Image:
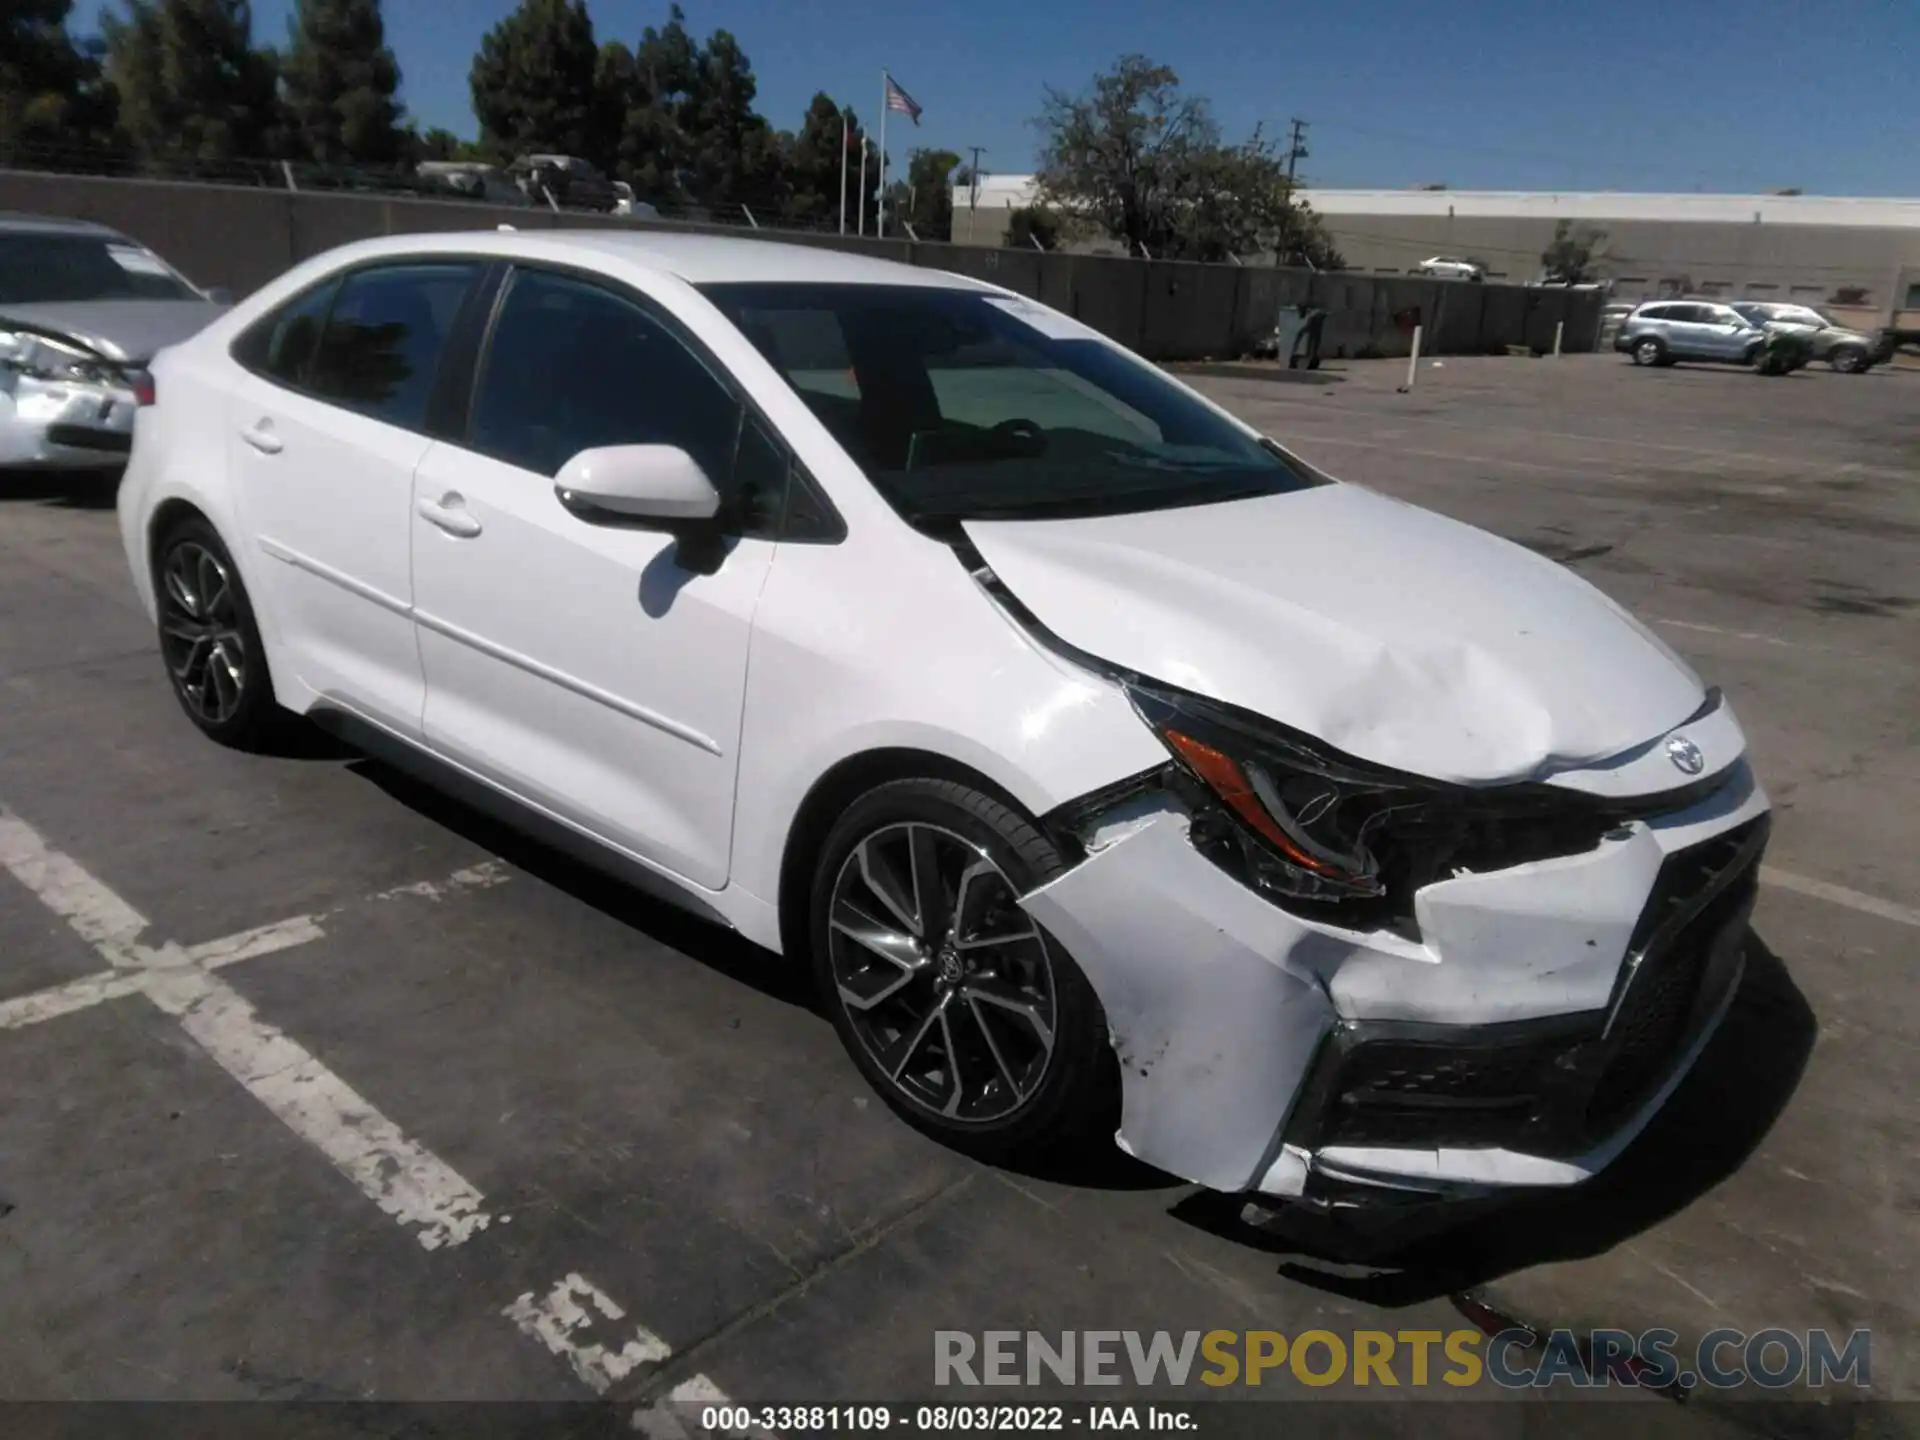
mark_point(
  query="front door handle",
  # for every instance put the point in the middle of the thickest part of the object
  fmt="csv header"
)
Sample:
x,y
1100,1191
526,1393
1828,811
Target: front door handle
x,y
262,438
450,513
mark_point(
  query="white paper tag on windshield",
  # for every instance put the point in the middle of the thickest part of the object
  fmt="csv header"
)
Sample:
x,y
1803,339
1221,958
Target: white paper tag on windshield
x,y
1050,323
137,262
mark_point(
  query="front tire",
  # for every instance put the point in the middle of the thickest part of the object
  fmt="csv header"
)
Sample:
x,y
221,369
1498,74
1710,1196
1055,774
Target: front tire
x,y
970,1021
210,640
1848,360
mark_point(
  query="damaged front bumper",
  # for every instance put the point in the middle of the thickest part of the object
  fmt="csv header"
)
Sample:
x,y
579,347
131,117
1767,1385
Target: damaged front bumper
x,y
1520,1033
64,423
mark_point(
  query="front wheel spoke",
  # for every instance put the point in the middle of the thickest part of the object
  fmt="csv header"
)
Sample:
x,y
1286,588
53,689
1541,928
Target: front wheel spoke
x,y
193,660
884,882
929,890
912,1047
212,584
180,591
956,1093
993,1048
876,936
1014,1003
226,680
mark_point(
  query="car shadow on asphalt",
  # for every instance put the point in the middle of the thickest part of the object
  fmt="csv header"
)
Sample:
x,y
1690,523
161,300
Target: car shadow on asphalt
x,y
67,489
504,831
1257,370
1715,1119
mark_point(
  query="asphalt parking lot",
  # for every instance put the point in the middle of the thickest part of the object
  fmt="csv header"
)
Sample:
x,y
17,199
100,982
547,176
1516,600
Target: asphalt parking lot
x,y
317,1086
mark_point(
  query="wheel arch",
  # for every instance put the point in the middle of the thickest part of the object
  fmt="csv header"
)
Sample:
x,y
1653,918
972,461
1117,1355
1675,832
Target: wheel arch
x,y
837,788
175,508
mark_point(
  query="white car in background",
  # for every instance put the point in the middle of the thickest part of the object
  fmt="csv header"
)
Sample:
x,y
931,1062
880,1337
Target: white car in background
x,y
1084,743
1446,267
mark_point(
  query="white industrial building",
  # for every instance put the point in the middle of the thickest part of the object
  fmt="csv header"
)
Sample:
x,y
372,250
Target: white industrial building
x,y
1857,255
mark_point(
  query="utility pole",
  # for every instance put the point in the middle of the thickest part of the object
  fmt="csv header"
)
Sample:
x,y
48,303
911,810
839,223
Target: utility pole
x,y
1296,148
973,189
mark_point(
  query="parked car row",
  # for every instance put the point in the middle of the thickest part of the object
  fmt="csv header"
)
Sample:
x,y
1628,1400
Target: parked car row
x,y
1661,332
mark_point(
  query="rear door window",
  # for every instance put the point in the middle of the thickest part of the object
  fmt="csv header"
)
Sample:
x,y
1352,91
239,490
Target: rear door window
x,y
384,334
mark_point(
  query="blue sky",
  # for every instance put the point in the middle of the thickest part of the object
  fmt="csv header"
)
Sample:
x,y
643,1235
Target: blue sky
x,y
1606,94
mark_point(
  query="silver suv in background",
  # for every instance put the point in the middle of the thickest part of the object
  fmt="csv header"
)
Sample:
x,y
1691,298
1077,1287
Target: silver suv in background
x,y
1663,331
1850,351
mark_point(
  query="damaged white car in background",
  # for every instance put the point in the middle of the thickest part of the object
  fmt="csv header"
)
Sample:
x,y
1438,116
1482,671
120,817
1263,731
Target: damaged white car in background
x,y
1082,740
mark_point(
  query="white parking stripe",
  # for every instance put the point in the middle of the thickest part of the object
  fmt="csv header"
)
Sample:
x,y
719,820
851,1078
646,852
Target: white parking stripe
x,y
419,1190
1840,895
567,1320
95,913
52,1003
261,940
407,1181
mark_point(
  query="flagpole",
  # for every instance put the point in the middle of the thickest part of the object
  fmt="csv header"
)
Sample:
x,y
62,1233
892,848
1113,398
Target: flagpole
x,y
843,169
863,183
880,199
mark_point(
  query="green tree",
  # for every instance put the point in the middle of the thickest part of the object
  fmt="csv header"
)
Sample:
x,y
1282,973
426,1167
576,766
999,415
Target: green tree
x,y
733,158
436,144
52,95
190,85
533,83
924,199
1033,224
1571,255
339,81
646,100
1142,161
813,165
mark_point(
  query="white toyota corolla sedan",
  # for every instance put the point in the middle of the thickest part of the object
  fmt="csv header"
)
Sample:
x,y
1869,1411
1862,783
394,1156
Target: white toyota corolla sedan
x,y
1085,743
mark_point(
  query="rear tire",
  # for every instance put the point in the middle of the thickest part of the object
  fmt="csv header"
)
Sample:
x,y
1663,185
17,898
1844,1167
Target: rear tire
x,y
210,641
1649,352
967,1018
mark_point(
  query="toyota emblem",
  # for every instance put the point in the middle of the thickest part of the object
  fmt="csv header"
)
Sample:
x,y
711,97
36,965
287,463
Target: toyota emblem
x,y
1685,755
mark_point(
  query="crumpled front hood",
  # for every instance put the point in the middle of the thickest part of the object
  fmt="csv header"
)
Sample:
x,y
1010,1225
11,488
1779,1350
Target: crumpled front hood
x,y
125,330
1386,631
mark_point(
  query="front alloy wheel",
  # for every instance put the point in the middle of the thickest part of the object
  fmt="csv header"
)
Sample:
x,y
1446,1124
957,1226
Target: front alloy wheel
x,y
968,1019
947,984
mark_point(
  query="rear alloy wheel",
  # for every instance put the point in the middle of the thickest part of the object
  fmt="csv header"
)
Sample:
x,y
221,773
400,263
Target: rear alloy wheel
x,y
1649,352
1848,360
209,640
967,1017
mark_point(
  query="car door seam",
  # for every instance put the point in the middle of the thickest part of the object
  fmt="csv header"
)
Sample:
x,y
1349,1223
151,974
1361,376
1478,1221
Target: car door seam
x,y
289,556
567,682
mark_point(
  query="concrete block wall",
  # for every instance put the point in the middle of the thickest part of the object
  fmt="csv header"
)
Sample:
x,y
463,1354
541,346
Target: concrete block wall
x,y
240,238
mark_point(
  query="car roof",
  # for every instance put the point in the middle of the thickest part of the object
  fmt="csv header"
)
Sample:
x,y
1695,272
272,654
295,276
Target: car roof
x,y
13,222
696,259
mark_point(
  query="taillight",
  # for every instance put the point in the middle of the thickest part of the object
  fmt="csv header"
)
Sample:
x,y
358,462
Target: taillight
x,y
141,383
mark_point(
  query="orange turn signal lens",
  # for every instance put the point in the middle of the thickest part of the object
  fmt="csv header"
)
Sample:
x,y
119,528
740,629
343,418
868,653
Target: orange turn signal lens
x,y
1221,771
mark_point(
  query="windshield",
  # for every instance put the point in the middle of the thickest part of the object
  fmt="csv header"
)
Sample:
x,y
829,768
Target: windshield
x,y
1761,314
53,269
963,405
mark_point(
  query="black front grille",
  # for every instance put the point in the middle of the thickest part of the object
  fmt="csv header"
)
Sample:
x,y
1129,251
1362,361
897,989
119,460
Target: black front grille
x,y
85,437
1547,1087
1698,892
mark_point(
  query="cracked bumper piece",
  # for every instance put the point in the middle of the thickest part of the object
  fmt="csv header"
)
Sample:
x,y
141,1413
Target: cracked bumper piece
x,y
1540,1017
64,423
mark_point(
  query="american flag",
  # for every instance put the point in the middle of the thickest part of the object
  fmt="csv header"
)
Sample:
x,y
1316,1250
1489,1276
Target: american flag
x,y
898,99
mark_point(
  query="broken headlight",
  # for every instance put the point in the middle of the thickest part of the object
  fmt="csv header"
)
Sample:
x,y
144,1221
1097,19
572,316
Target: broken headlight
x,y
41,357
1315,819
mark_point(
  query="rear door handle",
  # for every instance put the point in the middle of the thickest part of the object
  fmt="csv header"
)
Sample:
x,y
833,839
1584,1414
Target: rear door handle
x,y
262,438
451,515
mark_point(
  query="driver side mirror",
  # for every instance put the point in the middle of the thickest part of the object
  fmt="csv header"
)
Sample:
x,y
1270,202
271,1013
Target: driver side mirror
x,y
659,483
656,487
